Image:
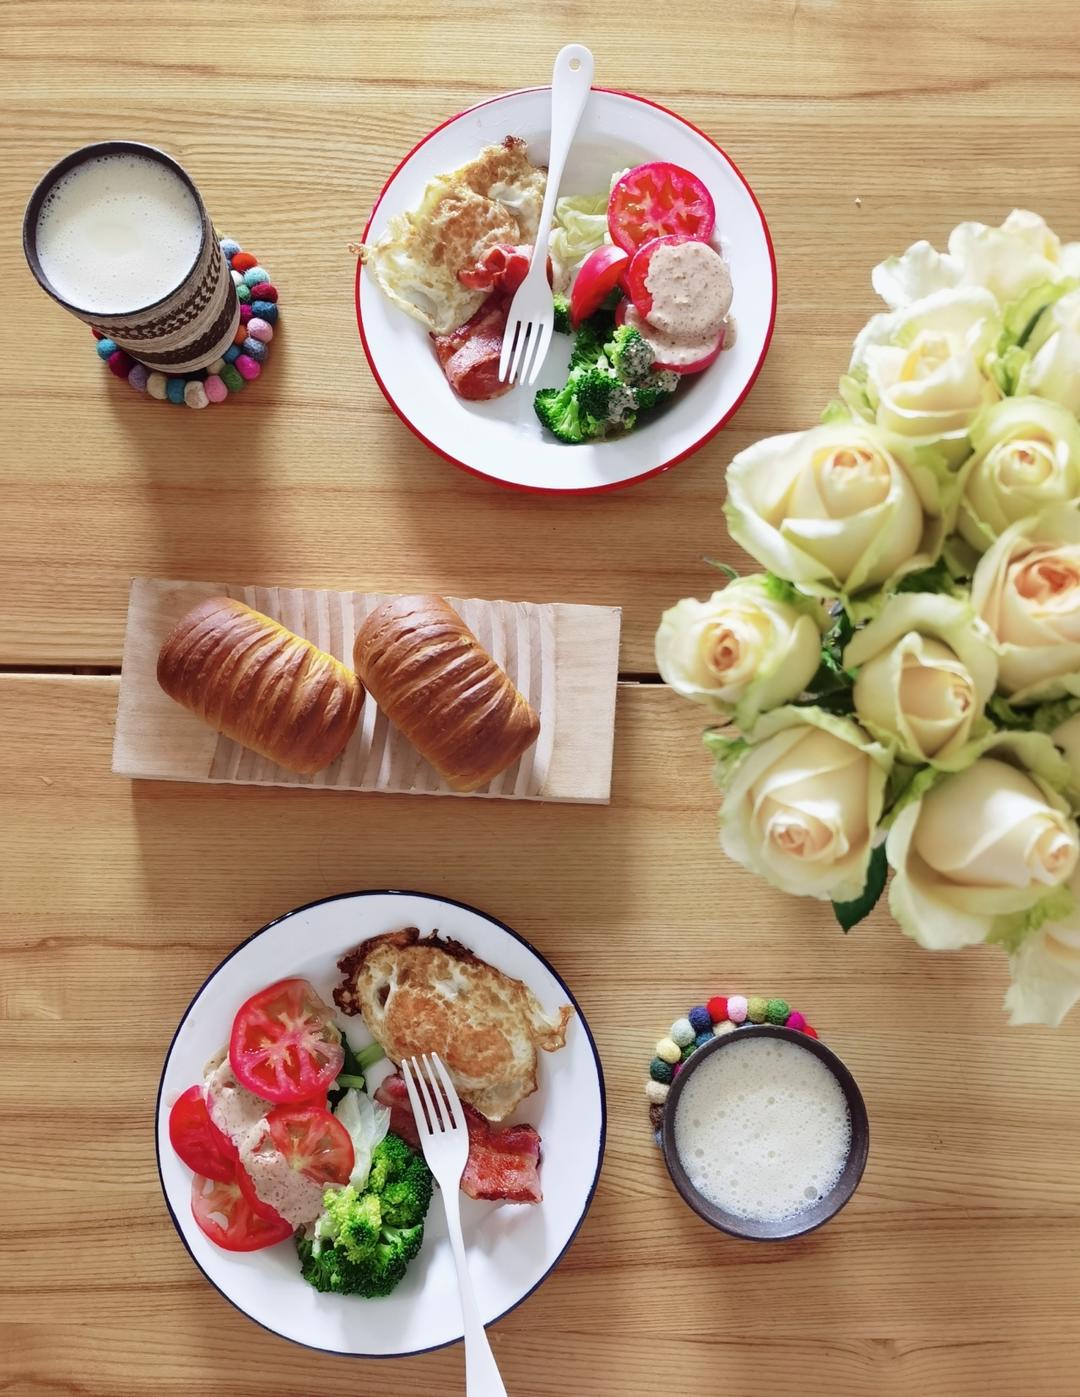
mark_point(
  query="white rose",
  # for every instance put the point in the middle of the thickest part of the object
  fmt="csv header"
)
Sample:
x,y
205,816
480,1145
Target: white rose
x,y
983,845
1045,969
803,801
921,371
834,509
1052,368
1007,261
1026,458
1026,588
742,651
926,669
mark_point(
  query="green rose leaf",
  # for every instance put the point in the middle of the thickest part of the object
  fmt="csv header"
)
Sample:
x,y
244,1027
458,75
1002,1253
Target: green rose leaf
x,y
849,914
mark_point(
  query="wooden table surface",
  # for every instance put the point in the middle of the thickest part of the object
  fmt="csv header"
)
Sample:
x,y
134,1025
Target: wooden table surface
x,y
862,126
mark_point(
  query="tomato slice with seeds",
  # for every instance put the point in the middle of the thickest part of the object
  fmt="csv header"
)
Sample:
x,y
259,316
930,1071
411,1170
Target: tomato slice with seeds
x,y
313,1141
197,1140
653,200
224,1214
285,1045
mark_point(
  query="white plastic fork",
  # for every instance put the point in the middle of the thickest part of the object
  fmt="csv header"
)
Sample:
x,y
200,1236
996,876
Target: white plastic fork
x,y
531,321
444,1136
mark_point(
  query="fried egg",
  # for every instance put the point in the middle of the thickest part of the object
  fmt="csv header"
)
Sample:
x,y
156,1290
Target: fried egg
x,y
426,994
494,198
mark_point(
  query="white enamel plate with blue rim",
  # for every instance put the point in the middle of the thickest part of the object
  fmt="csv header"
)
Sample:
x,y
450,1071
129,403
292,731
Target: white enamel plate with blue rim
x,y
503,440
512,1247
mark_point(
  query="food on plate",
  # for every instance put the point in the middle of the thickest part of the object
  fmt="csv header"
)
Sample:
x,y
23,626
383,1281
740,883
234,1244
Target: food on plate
x,y
258,683
494,198
611,381
470,354
366,1236
631,350
422,994
275,1162
436,682
502,268
504,1160
652,200
579,227
284,1044
597,277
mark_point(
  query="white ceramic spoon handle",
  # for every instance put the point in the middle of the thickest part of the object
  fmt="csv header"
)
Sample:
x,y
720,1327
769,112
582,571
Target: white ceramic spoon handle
x,y
571,81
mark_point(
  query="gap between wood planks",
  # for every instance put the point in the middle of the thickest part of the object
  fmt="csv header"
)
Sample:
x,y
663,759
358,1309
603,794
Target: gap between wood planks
x,y
97,671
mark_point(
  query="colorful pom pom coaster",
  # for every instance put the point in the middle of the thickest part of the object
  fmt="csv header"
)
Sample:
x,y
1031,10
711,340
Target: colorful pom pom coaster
x,y
704,1022
241,363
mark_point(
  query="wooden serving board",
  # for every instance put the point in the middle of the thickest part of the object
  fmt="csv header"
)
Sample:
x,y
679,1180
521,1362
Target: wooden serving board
x,y
564,658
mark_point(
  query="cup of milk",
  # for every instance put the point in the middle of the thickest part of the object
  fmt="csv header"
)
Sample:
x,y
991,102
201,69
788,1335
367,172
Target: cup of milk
x,y
118,234
765,1133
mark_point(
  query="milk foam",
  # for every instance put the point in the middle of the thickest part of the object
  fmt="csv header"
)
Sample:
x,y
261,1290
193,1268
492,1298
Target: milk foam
x,y
117,233
762,1129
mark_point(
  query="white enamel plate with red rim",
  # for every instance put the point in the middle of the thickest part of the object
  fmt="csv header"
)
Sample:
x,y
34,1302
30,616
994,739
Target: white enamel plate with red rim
x,y
512,1247
503,439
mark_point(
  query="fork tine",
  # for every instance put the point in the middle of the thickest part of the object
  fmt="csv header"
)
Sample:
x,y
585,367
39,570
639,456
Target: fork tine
x,y
419,1115
543,342
437,1127
510,334
442,1104
453,1103
524,336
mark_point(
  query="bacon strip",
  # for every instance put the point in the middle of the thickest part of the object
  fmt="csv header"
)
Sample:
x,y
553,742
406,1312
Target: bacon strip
x,y
502,268
504,1160
470,354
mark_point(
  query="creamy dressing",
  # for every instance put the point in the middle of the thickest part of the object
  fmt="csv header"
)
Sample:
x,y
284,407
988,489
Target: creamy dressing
x,y
670,349
690,286
763,1129
241,1115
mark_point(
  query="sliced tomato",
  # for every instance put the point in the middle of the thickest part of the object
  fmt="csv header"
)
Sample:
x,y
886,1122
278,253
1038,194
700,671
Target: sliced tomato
x,y
654,200
637,273
226,1217
285,1045
597,277
198,1141
313,1141
627,313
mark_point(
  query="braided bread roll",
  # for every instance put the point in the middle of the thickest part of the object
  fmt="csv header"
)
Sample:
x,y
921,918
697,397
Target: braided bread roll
x,y
435,681
255,681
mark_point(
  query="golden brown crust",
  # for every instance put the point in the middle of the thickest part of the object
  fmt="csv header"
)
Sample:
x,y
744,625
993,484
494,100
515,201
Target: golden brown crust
x,y
421,994
436,682
255,681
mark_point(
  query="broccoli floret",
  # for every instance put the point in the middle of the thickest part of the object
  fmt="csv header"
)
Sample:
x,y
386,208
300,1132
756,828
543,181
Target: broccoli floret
x,y
351,1222
403,1182
363,1242
558,410
331,1270
562,314
604,396
655,389
629,354
588,345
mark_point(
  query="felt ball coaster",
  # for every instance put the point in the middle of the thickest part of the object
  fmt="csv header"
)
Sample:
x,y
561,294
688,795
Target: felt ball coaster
x,y
241,363
701,1024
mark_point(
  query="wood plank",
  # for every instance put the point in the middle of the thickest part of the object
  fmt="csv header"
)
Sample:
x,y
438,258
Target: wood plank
x,y
564,659
118,898
861,127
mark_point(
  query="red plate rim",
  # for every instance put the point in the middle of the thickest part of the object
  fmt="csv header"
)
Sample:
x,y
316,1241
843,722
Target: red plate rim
x,y
614,485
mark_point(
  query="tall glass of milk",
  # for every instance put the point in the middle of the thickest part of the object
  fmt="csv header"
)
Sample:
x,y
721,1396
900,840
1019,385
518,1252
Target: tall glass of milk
x,y
118,234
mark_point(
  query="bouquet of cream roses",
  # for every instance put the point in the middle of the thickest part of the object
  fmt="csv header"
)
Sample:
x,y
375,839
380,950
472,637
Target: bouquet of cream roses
x,y
902,683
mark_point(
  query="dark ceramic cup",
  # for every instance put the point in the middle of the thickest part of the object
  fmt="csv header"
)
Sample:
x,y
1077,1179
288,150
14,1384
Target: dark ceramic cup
x,y
826,1206
190,326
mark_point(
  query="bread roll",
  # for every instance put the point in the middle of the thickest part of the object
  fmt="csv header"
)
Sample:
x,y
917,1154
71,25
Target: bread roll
x,y
255,681
435,681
